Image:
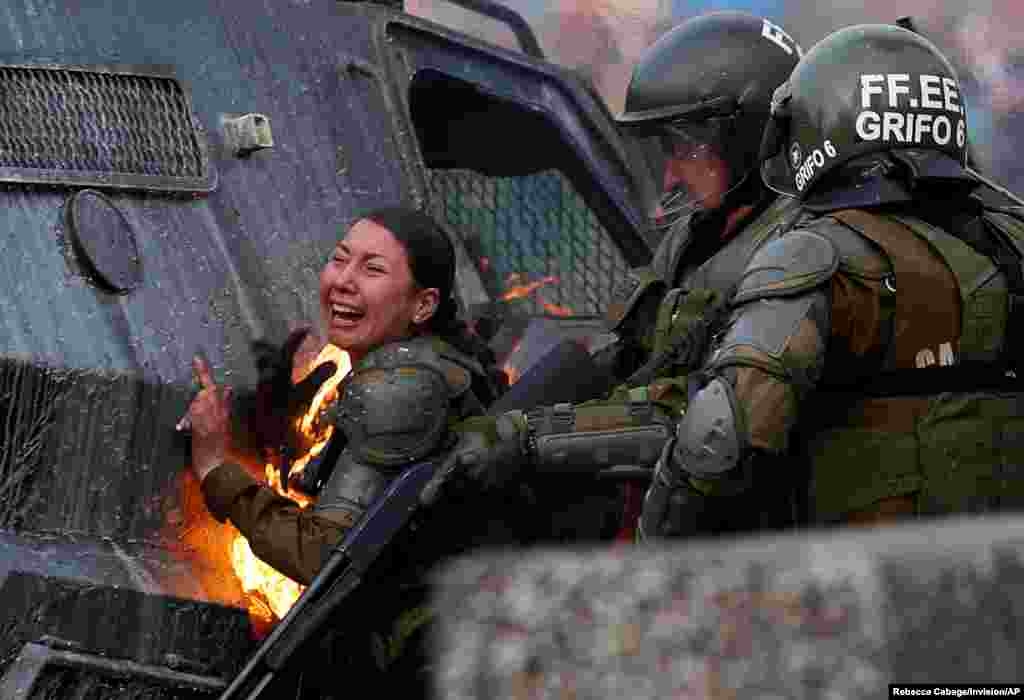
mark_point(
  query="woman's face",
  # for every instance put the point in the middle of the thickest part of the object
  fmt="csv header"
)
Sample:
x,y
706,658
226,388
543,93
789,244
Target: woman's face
x,y
368,296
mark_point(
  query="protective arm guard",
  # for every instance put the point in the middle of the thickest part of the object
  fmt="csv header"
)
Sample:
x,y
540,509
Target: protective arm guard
x,y
567,439
773,349
585,439
770,354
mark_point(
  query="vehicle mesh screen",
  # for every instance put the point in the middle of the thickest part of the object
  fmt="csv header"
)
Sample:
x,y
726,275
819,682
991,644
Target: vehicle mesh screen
x,y
75,125
533,238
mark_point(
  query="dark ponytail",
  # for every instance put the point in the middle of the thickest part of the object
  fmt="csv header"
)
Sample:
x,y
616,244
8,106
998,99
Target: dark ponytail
x,y
432,263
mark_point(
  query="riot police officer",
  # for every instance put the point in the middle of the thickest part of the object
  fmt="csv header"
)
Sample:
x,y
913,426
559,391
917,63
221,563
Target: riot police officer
x,y
697,104
870,351
695,108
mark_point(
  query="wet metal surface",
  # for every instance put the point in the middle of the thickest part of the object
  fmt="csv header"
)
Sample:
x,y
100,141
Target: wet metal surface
x,y
104,240
41,673
121,623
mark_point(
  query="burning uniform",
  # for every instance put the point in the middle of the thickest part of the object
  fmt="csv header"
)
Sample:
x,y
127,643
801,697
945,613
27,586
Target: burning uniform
x,y
871,351
398,406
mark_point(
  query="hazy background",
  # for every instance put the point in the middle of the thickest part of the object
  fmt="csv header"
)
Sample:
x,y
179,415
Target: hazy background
x,y
604,38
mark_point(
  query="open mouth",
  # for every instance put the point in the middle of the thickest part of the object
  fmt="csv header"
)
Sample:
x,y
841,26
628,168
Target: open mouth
x,y
345,315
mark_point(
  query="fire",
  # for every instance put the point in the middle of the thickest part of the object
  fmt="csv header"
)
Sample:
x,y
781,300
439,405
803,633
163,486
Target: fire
x,y
270,594
518,291
517,288
509,368
276,593
556,310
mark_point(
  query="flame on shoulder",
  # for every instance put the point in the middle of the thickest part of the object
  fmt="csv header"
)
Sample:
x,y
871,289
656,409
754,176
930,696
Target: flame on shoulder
x,y
269,593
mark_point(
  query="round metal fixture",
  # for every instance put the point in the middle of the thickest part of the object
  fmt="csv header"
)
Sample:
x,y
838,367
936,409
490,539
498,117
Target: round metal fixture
x,y
104,241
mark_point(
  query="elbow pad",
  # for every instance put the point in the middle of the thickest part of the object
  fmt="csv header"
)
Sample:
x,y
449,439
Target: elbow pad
x,y
711,438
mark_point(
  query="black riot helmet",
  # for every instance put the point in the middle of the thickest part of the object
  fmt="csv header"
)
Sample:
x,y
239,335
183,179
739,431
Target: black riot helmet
x,y
864,90
708,84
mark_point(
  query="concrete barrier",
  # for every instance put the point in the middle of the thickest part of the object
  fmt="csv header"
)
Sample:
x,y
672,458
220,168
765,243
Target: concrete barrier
x,y
827,614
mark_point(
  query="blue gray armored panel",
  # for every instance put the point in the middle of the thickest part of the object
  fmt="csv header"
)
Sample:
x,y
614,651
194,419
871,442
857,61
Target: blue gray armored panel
x,y
225,147
831,614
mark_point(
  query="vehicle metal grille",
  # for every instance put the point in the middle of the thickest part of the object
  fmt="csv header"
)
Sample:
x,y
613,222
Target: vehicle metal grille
x,y
528,230
78,125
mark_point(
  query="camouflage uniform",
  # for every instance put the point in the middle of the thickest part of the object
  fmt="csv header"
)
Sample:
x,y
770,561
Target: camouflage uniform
x,y
701,94
869,355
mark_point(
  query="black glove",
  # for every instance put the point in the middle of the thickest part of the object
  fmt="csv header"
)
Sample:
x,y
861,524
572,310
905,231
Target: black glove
x,y
492,452
673,507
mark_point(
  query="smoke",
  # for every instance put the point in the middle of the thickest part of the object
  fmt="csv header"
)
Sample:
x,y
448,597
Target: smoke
x,y
603,39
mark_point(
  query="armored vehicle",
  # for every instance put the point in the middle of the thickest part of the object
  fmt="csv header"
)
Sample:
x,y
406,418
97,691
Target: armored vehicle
x,y
172,176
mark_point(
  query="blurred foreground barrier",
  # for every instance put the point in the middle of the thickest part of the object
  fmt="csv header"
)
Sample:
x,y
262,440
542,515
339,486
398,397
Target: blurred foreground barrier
x,y
832,614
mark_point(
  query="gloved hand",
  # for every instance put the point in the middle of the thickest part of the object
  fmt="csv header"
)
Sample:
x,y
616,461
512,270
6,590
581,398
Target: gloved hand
x,y
278,402
489,454
672,506
506,456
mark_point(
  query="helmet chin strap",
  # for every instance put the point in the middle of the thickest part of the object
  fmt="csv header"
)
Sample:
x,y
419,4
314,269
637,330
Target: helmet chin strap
x,y
681,202
996,186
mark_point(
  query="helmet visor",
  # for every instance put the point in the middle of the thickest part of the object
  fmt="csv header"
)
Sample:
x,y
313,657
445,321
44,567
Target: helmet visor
x,y
685,160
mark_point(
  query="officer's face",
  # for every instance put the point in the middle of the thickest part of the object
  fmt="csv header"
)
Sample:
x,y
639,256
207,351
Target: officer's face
x,y
696,168
368,296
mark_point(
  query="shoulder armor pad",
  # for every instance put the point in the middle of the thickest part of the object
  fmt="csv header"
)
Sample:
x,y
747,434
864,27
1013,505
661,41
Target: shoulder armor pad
x,y
429,351
394,407
628,294
458,368
791,264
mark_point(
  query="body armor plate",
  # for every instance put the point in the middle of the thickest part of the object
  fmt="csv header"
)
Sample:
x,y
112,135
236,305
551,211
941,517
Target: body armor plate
x,y
394,408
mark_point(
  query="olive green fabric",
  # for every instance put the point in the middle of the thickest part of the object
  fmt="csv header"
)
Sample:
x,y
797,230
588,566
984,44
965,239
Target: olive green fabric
x,y
928,302
389,646
959,453
681,313
952,453
983,314
669,394
629,296
865,459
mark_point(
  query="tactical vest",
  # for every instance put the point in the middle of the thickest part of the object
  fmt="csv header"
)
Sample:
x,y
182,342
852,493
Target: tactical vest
x,y
941,430
702,299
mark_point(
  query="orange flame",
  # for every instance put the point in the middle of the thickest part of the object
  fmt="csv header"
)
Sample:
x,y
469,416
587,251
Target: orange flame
x,y
518,291
556,310
509,368
269,593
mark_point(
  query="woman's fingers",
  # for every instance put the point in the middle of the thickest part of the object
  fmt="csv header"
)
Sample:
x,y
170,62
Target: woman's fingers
x,y
208,392
202,372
